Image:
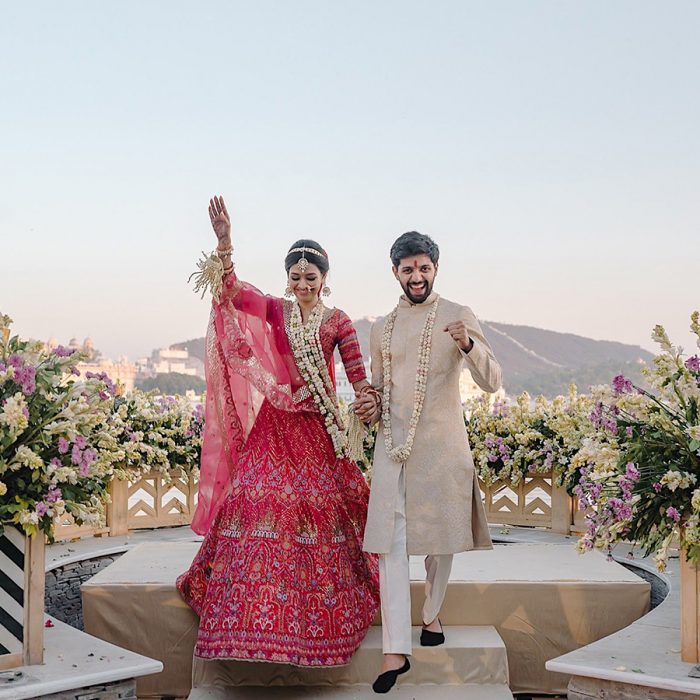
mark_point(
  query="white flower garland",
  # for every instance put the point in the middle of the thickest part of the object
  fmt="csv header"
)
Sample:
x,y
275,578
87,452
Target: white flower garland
x,y
306,345
402,452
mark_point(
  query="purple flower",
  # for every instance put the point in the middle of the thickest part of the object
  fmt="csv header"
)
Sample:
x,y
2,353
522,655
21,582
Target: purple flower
x,y
53,495
631,471
76,455
621,385
25,412
56,462
672,513
3,367
630,431
103,377
75,371
610,424
89,456
62,351
41,508
693,363
16,360
657,487
26,378
63,445
596,414
81,442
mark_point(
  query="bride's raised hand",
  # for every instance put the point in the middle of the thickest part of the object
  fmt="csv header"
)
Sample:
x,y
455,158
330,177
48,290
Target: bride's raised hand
x,y
220,222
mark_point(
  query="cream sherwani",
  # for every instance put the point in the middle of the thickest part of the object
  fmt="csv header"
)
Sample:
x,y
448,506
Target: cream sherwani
x,y
431,504
444,512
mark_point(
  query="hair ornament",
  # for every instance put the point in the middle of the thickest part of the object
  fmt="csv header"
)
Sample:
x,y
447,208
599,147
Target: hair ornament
x,y
303,262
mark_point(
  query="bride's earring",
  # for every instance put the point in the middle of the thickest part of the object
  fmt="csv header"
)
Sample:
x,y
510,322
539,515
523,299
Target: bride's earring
x,y
288,292
326,291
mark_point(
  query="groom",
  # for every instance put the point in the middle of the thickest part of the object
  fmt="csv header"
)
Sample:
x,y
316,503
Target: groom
x,y
425,496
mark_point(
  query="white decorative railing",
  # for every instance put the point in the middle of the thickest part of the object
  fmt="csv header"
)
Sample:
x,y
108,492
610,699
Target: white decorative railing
x,y
156,500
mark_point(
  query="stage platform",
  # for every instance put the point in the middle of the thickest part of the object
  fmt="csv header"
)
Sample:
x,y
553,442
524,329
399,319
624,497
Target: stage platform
x,y
543,599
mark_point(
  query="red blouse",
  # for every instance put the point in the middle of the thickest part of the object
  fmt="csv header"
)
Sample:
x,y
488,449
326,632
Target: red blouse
x,y
336,328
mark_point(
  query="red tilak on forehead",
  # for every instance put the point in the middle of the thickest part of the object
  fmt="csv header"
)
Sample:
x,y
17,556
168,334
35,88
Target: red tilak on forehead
x,y
415,264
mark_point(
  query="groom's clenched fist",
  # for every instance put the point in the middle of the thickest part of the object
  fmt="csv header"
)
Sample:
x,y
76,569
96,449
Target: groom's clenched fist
x,y
460,334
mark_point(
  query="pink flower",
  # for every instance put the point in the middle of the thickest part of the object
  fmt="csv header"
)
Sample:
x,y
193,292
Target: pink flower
x,y
81,442
631,471
657,487
62,351
672,513
41,508
63,445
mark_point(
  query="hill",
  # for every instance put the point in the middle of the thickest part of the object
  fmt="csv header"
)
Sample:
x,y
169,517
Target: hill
x,y
533,359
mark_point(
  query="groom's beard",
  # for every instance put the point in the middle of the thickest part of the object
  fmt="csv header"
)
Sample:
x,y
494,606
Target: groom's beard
x,y
417,295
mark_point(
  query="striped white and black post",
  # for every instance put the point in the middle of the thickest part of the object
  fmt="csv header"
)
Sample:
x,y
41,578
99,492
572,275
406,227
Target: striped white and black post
x,y
21,599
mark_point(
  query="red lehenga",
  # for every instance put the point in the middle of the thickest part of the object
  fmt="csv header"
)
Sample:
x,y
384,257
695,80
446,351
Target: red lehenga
x,y
281,575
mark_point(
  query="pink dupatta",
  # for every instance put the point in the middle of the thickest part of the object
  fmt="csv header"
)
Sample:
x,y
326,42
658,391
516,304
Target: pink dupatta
x,y
248,359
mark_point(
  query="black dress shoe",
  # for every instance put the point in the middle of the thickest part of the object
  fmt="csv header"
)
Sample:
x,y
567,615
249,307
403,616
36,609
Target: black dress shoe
x,y
385,681
432,639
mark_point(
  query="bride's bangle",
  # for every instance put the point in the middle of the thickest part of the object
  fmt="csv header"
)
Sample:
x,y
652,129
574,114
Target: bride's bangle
x,y
226,251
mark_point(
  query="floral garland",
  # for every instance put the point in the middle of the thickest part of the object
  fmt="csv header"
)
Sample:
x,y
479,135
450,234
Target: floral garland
x,y
402,452
306,345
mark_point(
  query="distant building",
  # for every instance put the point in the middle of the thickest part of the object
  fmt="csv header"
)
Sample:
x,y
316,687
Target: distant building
x,y
342,385
121,370
167,360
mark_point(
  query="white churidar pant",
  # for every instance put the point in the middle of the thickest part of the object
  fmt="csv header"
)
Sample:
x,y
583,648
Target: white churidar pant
x,y
395,583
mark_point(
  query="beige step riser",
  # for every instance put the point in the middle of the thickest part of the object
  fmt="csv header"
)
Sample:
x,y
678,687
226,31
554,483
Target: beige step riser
x,y
470,656
398,692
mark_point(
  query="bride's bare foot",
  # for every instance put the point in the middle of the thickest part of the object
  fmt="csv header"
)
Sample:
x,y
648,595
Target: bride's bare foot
x,y
392,662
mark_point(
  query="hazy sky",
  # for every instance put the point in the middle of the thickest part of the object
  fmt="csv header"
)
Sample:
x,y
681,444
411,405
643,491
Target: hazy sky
x,y
552,149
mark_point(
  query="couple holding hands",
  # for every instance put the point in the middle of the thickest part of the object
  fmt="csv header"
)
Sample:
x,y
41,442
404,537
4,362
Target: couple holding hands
x,y
298,553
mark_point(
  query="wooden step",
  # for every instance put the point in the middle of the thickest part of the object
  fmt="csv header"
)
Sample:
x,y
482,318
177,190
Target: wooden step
x,y
358,692
470,655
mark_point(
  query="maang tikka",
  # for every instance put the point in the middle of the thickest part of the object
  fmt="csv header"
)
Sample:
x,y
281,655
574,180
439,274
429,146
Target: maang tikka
x,y
303,262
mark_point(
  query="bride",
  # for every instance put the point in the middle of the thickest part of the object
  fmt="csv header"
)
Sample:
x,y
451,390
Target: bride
x,y
280,575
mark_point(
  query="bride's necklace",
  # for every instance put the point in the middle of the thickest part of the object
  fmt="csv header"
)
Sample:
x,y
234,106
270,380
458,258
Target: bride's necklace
x,y
305,342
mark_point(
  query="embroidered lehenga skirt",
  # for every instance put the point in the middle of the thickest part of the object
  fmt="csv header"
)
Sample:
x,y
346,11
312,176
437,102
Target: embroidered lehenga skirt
x,y
281,575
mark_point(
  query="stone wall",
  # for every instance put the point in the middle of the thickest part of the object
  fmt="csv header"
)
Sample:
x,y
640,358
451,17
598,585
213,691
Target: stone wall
x,y
62,598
